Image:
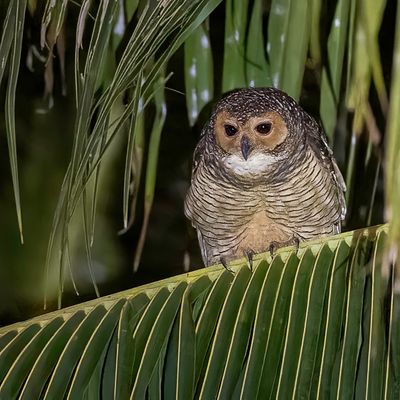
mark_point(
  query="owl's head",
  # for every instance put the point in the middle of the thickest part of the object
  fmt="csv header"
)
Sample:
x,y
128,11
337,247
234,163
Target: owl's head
x,y
256,128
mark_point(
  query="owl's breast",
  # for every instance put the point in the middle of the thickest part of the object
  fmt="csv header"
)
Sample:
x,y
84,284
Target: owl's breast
x,y
261,230
213,205
232,220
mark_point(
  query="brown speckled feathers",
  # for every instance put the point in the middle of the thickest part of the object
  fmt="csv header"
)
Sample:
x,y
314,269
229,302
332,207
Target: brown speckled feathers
x,y
262,173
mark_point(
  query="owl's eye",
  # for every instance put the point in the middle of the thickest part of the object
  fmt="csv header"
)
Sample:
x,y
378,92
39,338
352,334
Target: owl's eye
x,y
230,130
264,128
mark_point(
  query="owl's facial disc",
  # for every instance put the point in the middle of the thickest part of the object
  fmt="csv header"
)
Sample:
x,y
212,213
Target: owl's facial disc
x,y
250,144
259,134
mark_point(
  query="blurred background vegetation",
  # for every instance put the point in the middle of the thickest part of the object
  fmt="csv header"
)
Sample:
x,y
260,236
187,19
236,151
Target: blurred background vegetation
x,y
334,57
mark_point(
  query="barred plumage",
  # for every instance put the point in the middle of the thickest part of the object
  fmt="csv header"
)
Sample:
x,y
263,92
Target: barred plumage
x,y
263,173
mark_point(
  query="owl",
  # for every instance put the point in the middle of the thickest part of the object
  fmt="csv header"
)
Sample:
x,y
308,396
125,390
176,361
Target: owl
x,y
263,177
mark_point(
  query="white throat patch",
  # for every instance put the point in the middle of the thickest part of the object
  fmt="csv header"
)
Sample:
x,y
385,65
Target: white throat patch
x,y
256,163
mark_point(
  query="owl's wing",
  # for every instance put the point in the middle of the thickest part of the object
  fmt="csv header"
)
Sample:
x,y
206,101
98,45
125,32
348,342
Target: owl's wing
x,y
319,143
203,248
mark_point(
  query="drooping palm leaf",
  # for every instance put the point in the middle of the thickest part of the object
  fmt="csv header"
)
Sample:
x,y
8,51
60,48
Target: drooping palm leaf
x,y
332,72
392,171
10,54
322,322
234,72
288,40
151,167
161,28
199,79
257,68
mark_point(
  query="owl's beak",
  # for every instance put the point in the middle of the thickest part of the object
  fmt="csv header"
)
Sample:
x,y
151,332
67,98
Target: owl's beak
x,y
245,146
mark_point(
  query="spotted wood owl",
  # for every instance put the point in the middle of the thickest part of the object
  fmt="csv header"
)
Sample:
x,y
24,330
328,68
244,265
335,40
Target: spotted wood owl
x,y
263,175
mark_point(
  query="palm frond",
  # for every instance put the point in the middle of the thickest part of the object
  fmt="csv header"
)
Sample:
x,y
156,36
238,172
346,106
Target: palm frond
x,y
10,52
161,28
332,73
151,167
392,172
322,321
199,79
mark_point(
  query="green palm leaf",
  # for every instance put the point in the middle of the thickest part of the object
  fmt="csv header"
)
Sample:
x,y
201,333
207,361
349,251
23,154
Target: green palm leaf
x,y
10,50
312,323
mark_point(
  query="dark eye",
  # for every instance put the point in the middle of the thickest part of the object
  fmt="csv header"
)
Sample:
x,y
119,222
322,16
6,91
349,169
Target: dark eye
x,y
264,128
230,130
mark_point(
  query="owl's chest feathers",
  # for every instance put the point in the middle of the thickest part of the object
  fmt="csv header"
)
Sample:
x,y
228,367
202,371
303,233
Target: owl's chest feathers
x,y
260,231
252,217
260,213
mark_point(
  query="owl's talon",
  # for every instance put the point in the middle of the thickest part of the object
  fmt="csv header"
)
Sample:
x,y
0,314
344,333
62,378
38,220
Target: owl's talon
x,y
296,243
225,264
249,257
273,246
